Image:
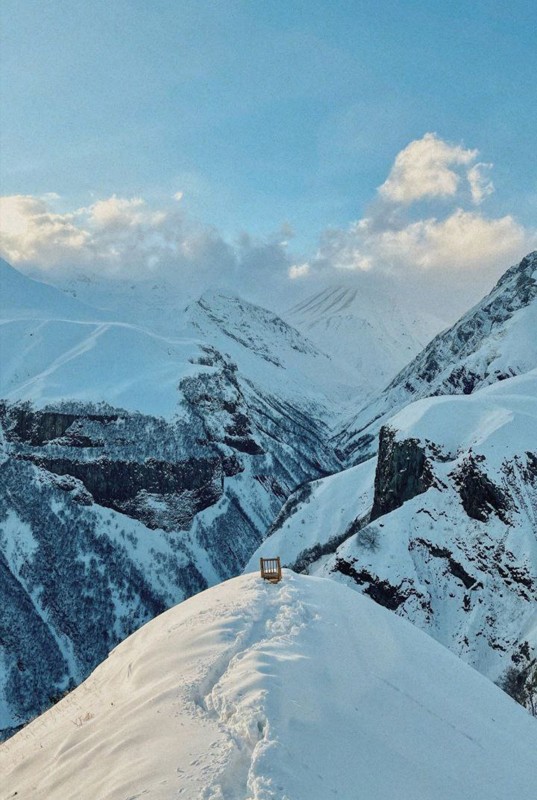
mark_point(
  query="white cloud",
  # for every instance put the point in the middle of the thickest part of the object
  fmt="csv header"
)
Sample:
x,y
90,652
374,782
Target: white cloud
x,y
464,240
426,168
455,251
31,231
446,255
480,184
122,237
460,255
298,271
115,235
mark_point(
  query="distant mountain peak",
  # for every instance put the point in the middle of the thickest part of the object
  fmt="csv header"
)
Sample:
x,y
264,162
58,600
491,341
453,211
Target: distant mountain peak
x,y
364,329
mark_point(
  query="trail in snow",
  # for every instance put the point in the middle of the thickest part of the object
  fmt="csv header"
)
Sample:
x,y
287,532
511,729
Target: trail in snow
x,y
300,691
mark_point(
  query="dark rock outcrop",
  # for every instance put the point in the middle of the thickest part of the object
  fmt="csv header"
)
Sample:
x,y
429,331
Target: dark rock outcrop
x,y
479,495
403,471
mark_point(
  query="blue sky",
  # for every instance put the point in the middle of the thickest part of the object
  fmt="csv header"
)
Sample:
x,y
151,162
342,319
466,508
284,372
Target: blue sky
x,y
262,113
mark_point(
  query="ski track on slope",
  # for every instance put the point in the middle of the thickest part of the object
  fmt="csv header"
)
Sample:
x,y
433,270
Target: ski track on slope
x,y
79,349
246,728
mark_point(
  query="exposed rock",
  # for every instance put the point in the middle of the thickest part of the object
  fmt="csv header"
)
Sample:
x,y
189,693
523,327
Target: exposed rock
x,y
479,495
403,471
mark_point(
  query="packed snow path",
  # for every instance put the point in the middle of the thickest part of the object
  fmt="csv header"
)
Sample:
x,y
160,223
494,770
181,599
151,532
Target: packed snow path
x,y
302,690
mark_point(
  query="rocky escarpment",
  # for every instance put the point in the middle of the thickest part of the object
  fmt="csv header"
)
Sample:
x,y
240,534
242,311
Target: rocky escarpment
x,y
451,539
111,456
403,471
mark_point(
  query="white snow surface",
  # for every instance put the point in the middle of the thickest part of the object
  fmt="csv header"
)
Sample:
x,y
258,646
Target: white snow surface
x,y
27,298
55,348
364,329
298,691
50,361
498,421
319,515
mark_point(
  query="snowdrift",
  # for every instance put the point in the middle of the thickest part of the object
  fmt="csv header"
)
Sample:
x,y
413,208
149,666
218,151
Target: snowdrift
x,y
302,690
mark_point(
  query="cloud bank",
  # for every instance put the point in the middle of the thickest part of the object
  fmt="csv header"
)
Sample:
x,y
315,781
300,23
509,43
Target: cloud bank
x,y
425,228
427,167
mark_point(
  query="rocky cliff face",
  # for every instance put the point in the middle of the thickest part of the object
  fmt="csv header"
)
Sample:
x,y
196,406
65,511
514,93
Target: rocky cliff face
x,y
452,541
403,471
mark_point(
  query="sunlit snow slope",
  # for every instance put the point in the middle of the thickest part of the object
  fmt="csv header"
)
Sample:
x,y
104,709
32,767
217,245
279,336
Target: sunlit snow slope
x,y
54,348
303,690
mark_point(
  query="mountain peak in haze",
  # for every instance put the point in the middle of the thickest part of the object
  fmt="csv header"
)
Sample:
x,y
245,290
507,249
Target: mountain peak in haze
x,y
363,327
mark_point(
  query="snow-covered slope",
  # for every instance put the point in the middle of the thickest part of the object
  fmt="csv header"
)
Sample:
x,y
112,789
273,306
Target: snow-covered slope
x,y
55,348
26,298
496,339
274,355
365,330
318,517
451,542
303,690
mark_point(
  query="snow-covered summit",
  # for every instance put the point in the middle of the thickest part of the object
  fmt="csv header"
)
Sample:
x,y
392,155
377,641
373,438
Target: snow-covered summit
x,y
302,690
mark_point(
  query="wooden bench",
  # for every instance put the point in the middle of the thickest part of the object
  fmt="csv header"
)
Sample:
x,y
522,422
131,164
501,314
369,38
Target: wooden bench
x,y
271,569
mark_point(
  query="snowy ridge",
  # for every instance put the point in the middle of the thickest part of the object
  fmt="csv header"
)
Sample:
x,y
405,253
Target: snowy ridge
x,y
300,690
26,298
493,341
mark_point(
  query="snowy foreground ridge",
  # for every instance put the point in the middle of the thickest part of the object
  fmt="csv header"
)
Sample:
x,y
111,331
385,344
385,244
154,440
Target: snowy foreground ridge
x,y
303,690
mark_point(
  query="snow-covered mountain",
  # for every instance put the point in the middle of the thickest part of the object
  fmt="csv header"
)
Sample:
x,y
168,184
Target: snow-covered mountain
x,y
137,469
302,690
365,329
51,344
441,528
495,340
